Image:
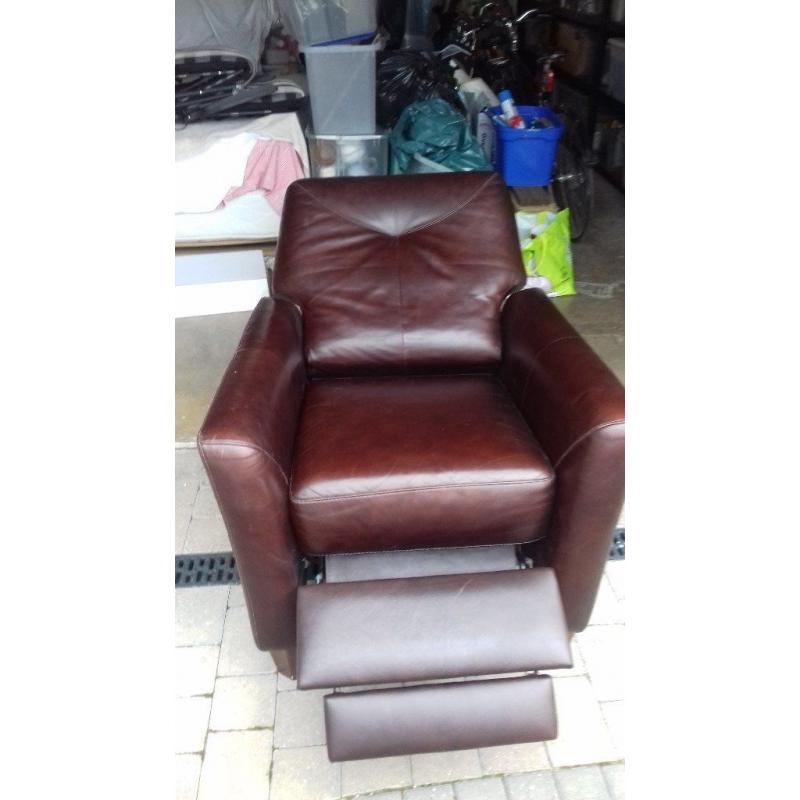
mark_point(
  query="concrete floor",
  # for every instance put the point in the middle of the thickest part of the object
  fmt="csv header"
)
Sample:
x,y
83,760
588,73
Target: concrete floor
x,y
599,267
203,348
204,345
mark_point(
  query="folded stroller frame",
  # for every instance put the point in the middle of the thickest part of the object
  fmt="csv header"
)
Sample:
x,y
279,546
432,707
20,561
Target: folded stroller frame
x,y
222,86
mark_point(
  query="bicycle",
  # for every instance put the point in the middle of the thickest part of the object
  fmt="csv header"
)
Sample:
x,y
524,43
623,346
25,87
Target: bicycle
x,y
572,182
492,39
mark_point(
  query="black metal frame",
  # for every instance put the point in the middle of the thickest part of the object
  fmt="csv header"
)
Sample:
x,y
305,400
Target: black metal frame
x,y
204,80
219,569
223,87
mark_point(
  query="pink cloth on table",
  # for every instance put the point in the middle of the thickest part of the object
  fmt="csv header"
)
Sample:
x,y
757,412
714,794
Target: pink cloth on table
x,y
271,167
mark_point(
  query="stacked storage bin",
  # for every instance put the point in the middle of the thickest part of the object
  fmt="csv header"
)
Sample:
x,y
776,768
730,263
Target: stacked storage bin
x,y
341,87
329,21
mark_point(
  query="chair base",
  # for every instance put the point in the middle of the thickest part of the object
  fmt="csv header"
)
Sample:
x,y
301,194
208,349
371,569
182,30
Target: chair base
x,y
285,661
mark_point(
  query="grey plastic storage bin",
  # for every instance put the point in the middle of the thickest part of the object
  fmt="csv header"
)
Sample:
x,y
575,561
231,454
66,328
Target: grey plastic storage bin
x,y
332,156
328,21
341,85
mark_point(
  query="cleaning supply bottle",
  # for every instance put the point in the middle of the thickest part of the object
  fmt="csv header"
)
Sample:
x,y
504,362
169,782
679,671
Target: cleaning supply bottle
x,y
459,73
477,87
480,94
510,112
476,96
486,136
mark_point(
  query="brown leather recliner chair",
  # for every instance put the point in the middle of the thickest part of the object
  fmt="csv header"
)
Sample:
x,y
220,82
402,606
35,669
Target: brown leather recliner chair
x,y
417,464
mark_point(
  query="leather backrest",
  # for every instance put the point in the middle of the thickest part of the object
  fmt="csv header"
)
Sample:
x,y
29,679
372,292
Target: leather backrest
x,y
398,275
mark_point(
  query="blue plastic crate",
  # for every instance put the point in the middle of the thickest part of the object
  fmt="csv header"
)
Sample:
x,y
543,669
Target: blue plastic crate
x,y
525,157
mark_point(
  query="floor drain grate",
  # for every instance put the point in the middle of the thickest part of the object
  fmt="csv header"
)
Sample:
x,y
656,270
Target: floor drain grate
x,y
205,569
215,569
617,551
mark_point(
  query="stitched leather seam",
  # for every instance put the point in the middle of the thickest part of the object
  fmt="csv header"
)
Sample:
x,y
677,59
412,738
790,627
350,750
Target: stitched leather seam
x,y
528,481
453,211
428,224
569,338
213,484
211,443
586,436
401,310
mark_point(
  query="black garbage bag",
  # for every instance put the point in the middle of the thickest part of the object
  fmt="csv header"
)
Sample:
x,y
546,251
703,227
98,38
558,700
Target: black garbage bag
x,y
408,76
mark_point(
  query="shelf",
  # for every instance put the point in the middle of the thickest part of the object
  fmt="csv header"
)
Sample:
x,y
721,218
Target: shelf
x,y
580,84
593,21
612,102
594,101
613,176
584,86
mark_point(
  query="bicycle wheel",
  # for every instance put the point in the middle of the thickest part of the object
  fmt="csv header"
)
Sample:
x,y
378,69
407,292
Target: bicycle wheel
x,y
573,186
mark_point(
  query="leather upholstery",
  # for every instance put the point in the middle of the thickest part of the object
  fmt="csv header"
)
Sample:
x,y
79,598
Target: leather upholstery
x,y
576,409
402,463
432,418
415,629
246,443
404,275
449,716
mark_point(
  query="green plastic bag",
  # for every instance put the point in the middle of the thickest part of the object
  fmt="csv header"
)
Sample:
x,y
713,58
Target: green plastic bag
x,y
548,257
438,133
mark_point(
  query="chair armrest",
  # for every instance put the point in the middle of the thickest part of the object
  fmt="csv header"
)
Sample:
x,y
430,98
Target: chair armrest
x,y
576,409
246,444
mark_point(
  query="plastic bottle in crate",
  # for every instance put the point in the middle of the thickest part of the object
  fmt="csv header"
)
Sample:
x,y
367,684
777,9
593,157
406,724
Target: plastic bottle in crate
x,y
512,117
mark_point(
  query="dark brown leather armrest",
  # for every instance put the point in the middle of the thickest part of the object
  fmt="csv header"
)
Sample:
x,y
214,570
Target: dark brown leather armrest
x,y
246,443
576,409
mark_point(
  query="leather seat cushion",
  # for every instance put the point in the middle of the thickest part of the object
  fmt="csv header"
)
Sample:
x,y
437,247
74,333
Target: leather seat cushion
x,y
402,463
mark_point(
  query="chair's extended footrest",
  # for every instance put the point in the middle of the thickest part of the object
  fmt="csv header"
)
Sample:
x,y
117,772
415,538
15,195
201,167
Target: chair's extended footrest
x,y
439,717
415,629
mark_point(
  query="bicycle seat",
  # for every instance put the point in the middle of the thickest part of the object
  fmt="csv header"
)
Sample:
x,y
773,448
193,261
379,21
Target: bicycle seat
x,y
557,56
531,12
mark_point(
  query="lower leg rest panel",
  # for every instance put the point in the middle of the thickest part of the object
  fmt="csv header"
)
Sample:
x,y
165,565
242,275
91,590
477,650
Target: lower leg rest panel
x,y
439,717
